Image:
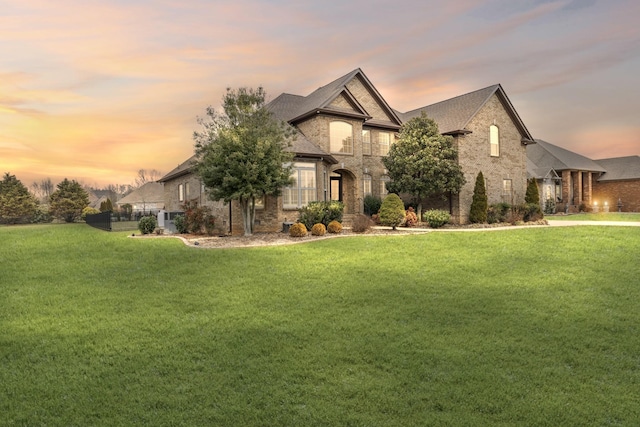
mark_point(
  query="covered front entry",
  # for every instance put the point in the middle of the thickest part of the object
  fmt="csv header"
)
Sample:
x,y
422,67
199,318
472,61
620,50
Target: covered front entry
x,y
342,188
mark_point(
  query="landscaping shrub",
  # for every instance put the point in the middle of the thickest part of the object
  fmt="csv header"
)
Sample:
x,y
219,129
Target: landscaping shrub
x,y
549,206
89,211
198,219
436,218
500,212
532,195
334,227
410,218
392,211
181,224
318,230
147,224
532,212
298,230
372,204
361,223
321,212
478,212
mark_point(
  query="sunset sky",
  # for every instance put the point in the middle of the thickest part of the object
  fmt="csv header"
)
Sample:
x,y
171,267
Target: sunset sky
x,y
95,90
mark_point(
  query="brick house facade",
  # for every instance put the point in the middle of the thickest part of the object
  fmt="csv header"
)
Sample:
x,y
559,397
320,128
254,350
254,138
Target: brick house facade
x,y
346,127
574,182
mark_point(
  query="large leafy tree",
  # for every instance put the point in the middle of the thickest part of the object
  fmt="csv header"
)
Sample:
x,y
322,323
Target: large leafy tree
x,y
68,201
240,153
423,162
17,204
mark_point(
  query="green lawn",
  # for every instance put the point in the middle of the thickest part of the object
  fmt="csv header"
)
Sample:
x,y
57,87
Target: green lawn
x,y
601,216
536,327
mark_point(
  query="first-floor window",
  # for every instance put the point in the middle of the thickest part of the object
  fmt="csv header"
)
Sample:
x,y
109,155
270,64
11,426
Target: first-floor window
x,y
383,186
366,185
303,190
181,192
506,187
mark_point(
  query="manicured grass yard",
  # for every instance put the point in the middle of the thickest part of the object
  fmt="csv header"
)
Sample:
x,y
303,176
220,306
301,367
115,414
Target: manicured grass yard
x,y
600,216
536,326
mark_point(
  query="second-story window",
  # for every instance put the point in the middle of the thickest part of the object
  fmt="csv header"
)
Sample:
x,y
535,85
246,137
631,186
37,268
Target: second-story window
x,y
366,142
341,137
494,140
384,141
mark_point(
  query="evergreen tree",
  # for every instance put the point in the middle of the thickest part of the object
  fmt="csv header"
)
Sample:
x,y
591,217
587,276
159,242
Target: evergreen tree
x,y
392,211
479,205
68,201
17,204
532,195
241,153
423,162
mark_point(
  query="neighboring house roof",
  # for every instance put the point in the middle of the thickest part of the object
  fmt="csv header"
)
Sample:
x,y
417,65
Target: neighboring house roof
x,y
619,168
293,108
151,192
453,115
546,155
182,169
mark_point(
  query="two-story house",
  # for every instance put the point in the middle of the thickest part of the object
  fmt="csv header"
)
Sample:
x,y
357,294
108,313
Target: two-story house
x,y
346,127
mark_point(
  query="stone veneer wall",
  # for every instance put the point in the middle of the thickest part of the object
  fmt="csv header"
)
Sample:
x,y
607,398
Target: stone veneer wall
x,y
474,154
172,203
628,191
353,166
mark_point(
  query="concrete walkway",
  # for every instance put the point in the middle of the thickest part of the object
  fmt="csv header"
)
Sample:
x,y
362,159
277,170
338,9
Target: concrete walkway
x,y
557,223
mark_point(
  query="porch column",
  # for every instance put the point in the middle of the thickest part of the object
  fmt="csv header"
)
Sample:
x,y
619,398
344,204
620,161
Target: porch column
x,y
566,187
577,187
587,187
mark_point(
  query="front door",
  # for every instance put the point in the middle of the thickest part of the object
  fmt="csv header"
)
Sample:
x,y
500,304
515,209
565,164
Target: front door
x,y
336,187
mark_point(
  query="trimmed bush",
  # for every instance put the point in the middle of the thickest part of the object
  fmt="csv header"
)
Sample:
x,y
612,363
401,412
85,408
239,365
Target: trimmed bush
x,y
392,211
361,223
89,211
298,230
181,224
334,227
436,218
321,212
147,224
500,212
478,211
549,207
532,212
372,204
318,230
532,195
410,219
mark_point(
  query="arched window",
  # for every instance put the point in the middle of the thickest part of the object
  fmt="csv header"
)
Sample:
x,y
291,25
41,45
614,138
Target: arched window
x,y
494,140
341,137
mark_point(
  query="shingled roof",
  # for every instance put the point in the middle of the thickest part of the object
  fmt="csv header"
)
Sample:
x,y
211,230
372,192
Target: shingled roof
x,y
454,114
182,169
545,155
620,168
293,108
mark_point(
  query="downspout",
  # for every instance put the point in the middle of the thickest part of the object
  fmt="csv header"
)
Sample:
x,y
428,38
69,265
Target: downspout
x,y
230,220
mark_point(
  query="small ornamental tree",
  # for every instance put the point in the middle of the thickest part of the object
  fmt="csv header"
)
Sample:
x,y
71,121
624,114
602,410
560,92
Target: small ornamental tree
x,y
532,195
422,162
17,204
242,154
68,201
392,211
479,205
